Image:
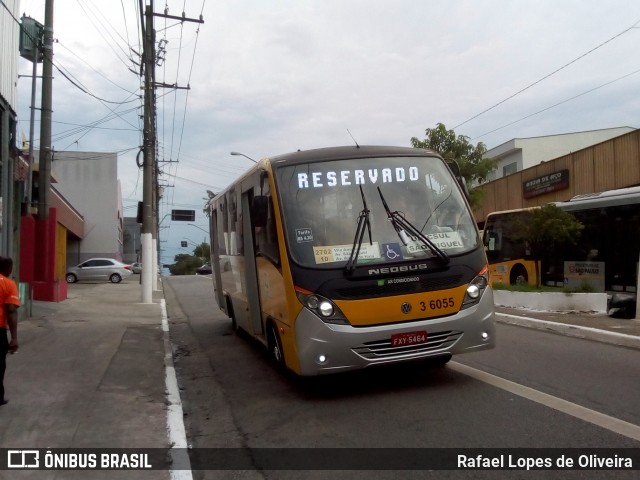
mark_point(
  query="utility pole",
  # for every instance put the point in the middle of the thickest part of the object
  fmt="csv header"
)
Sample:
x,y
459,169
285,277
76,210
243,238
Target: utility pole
x,y
45,238
148,223
44,181
31,33
150,197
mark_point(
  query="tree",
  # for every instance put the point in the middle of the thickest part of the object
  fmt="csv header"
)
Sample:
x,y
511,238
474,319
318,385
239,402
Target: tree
x,y
203,251
549,232
186,264
473,166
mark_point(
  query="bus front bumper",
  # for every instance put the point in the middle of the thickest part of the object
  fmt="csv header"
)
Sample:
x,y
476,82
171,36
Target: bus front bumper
x,y
327,348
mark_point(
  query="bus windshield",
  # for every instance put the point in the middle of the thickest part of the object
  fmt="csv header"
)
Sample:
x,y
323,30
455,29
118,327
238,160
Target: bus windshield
x,y
325,204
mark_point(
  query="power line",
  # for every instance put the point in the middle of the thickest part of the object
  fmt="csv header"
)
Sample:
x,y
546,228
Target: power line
x,y
96,127
78,84
175,167
193,58
100,32
84,90
9,12
92,68
186,101
95,156
208,185
547,76
126,26
87,128
557,104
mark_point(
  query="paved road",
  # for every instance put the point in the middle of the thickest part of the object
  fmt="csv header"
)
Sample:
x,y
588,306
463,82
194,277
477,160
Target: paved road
x,y
592,374
94,371
509,397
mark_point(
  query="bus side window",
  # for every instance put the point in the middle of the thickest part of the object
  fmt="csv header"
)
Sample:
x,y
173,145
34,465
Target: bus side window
x,y
266,236
236,243
221,229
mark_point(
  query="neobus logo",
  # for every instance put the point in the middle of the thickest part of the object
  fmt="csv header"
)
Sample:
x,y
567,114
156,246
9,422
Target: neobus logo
x,y
401,269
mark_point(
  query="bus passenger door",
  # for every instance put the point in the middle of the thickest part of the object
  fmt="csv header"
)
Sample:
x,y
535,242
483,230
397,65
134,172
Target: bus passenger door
x,y
215,260
251,272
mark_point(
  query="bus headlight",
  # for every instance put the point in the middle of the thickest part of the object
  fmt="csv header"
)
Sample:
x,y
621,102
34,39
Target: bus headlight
x,y
473,291
322,307
476,288
313,302
325,308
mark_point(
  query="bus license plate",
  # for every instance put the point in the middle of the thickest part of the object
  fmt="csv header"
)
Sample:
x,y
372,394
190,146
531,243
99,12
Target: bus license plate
x,y
409,338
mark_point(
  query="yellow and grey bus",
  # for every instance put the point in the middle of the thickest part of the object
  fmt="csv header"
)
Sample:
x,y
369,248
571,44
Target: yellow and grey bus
x,y
605,255
348,257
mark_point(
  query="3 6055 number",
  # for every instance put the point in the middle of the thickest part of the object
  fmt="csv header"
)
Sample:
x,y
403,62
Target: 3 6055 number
x,y
438,304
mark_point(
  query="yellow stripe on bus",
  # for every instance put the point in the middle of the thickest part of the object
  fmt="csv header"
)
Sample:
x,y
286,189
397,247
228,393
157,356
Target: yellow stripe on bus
x,y
400,308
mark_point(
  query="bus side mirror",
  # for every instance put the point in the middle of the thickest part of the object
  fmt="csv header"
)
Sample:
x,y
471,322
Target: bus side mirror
x,y
463,185
455,169
260,210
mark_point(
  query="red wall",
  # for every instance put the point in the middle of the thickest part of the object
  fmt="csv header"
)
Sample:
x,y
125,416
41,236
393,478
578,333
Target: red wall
x,y
38,258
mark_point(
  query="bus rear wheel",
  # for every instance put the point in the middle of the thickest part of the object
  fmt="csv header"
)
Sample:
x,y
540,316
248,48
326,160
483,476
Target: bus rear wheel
x,y
275,346
518,275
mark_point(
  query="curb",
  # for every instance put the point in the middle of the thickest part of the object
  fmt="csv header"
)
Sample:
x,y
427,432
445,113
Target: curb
x,y
586,333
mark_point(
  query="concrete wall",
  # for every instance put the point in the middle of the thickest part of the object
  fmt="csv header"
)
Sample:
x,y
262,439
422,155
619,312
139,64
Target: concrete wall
x,y
552,302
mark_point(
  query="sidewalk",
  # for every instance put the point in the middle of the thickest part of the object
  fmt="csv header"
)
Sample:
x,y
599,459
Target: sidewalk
x,y
89,373
591,326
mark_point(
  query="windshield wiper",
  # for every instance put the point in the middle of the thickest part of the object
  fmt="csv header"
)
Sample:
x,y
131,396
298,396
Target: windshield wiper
x,y
404,228
363,224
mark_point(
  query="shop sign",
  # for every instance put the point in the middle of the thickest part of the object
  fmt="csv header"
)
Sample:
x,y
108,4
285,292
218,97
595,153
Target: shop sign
x,y
545,184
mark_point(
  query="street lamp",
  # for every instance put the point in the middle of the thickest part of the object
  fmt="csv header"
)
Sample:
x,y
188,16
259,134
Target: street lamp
x,y
199,228
167,215
243,155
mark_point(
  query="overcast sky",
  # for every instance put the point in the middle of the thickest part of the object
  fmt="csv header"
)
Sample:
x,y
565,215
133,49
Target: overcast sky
x,y
272,76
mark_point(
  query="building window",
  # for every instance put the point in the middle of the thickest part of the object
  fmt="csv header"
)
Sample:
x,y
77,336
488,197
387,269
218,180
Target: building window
x,y
509,169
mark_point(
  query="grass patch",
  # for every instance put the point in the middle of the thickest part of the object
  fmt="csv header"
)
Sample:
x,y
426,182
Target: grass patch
x,y
584,287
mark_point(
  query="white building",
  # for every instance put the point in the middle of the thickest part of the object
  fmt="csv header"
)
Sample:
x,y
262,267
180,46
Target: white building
x,y
520,153
89,182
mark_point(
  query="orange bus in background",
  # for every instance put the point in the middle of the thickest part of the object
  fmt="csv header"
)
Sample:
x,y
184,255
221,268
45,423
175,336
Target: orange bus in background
x,y
606,254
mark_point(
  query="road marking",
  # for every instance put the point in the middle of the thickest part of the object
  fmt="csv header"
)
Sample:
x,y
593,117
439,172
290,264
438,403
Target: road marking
x,y
175,419
600,419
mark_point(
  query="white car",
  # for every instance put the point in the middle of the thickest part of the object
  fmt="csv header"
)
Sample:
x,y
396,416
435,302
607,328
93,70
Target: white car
x,y
105,269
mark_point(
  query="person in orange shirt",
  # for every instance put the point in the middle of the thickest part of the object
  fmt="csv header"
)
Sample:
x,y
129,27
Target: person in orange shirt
x,y
9,304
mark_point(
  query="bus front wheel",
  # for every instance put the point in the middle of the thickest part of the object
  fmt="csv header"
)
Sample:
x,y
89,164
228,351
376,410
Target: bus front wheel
x,y
440,361
234,322
275,346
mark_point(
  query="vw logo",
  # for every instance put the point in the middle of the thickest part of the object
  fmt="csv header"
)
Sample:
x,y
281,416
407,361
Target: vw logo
x,y
405,307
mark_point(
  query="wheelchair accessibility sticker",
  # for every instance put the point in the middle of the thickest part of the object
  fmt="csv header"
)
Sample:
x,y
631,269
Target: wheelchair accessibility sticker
x,y
392,251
